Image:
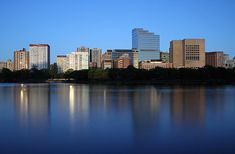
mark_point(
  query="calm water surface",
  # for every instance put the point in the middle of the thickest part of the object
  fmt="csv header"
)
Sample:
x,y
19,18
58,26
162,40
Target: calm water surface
x,y
73,118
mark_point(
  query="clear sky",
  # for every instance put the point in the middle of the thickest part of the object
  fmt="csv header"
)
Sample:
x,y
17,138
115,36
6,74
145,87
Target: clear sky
x,y
107,24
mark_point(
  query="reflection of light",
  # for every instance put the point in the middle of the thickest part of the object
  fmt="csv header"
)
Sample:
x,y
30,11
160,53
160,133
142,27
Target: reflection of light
x,y
21,96
105,98
71,99
22,85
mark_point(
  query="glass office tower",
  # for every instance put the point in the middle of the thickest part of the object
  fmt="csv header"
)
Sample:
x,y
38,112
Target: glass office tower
x,y
147,43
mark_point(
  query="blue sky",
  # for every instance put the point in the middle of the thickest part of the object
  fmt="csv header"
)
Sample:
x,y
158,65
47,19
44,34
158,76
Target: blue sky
x,y
107,24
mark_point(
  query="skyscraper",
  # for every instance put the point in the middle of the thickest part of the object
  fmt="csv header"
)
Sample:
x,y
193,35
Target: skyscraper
x,y
189,53
147,43
39,56
21,59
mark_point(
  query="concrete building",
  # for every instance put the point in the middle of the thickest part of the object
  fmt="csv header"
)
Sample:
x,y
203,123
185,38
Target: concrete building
x,y
215,59
147,43
229,63
133,55
107,60
3,64
188,53
62,63
6,64
39,56
165,57
152,64
122,62
79,60
10,65
21,59
95,56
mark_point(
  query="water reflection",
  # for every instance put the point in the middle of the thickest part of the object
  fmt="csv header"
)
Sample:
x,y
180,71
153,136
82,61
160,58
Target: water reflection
x,y
106,116
32,105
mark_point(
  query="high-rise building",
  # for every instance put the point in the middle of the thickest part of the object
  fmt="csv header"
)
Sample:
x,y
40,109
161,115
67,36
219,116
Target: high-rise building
x,y
95,58
39,56
215,59
122,62
133,55
79,60
107,60
189,53
62,63
165,57
147,43
21,59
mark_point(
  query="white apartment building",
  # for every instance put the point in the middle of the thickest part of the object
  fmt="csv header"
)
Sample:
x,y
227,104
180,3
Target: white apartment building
x,y
39,56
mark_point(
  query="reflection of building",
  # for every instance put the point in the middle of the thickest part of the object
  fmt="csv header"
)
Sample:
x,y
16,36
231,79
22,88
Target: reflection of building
x,y
95,58
189,53
39,56
107,60
62,63
122,62
147,43
133,55
33,104
21,59
215,59
187,104
151,64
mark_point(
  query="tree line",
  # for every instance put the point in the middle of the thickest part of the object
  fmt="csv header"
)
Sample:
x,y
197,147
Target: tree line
x,y
131,75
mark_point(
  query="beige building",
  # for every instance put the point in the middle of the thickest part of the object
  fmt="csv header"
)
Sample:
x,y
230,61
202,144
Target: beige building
x,y
122,62
107,60
62,63
189,53
152,64
10,65
3,64
21,59
215,59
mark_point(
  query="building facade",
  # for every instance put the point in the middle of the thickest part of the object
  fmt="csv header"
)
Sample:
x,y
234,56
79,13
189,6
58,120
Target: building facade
x,y
10,65
107,60
147,43
21,59
95,56
3,64
39,56
165,57
62,63
188,53
215,59
152,64
122,62
133,55
79,60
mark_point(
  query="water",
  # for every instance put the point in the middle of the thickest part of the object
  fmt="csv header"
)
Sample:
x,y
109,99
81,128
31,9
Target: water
x,y
73,118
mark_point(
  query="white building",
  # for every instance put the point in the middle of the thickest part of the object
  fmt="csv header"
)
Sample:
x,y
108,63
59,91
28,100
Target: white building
x,y
39,56
78,60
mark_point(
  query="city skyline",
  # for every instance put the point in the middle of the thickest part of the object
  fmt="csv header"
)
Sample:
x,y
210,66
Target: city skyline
x,y
69,29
